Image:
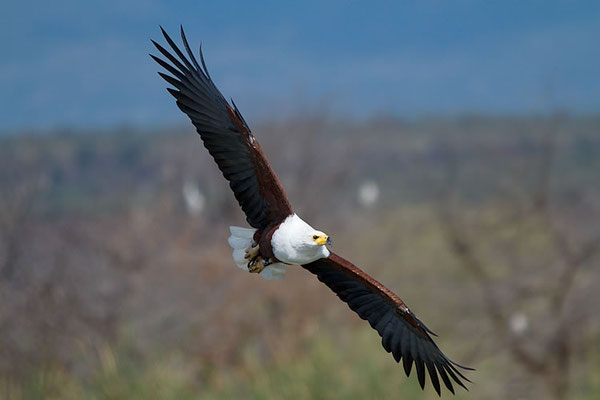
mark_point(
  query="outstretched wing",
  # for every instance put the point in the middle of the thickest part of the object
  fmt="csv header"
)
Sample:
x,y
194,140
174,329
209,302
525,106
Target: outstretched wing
x,y
226,136
402,334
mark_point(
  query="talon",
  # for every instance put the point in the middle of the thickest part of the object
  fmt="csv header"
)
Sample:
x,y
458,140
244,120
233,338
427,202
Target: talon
x,y
252,252
257,265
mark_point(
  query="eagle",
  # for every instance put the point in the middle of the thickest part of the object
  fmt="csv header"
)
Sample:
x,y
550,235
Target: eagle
x,y
278,237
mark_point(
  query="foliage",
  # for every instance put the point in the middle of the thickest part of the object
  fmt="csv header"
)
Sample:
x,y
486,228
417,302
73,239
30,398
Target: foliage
x,y
110,287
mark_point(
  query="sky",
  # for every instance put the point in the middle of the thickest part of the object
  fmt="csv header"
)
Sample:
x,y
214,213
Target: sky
x,y
69,63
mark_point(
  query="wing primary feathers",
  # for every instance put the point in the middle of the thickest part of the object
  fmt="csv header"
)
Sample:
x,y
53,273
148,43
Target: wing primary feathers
x,y
378,314
407,362
408,358
224,133
434,378
397,342
174,82
424,326
420,372
183,71
237,112
424,356
450,372
445,378
176,49
169,68
459,373
203,63
383,322
460,366
188,66
402,333
175,62
188,50
388,335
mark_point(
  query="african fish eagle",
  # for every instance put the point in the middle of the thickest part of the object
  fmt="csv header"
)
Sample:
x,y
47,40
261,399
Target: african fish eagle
x,y
279,237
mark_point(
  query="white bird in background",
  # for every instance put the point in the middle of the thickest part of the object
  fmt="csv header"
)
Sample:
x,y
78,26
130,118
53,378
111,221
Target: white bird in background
x,y
368,194
193,198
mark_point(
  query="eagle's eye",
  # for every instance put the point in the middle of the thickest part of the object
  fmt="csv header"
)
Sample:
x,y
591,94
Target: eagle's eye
x,y
315,237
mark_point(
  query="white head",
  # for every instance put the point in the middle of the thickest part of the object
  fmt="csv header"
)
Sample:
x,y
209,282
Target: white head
x,y
296,242
319,238
313,244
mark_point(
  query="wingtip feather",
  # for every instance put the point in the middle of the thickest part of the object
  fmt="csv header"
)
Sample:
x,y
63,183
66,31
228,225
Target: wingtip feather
x,y
164,33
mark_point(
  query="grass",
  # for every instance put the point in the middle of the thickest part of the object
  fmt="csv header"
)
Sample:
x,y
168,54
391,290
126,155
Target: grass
x,y
362,370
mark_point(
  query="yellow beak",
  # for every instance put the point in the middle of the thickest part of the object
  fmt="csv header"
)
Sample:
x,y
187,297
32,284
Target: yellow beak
x,y
323,239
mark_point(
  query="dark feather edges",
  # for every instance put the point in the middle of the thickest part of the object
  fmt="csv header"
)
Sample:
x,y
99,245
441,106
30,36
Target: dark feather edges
x,y
402,334
223,131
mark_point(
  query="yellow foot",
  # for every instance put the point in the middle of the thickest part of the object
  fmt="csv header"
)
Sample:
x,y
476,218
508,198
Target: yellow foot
x,y
257,265
251,253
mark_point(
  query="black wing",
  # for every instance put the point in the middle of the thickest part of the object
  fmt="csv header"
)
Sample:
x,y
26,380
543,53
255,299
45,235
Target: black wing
x,y
226,136
402,333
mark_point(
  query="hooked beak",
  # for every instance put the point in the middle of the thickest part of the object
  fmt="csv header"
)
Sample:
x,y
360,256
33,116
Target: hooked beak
x,y
323,239
329,242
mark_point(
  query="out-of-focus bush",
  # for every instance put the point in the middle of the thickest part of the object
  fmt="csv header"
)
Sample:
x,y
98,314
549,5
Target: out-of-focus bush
x,y
110,286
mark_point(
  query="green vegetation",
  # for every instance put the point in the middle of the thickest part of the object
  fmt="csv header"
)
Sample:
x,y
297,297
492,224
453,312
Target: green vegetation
x,y
111,287
320,371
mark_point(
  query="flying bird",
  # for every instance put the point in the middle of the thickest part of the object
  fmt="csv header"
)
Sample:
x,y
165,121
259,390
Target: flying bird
x,y
279,237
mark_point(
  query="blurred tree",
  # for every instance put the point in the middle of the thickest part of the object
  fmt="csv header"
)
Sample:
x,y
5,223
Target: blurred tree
x,y
531,268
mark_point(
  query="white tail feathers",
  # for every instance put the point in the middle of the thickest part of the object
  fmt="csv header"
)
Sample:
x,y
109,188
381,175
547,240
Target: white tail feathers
x,y
244,233
241,239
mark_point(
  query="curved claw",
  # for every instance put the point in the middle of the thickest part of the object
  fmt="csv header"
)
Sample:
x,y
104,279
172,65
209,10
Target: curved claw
x,y
252,252
257,265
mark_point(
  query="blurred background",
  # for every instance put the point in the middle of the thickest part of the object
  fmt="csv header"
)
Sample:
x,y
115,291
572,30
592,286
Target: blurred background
x,y
452,149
